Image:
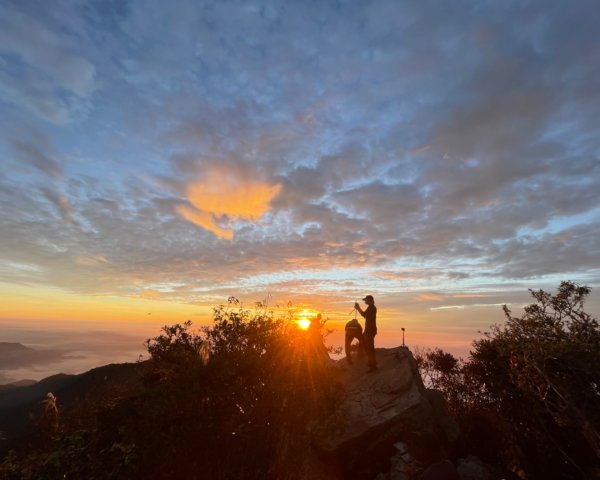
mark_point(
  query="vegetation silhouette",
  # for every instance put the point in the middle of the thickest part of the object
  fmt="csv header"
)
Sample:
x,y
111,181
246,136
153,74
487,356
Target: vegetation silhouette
x,y
528,398
234,399
241,414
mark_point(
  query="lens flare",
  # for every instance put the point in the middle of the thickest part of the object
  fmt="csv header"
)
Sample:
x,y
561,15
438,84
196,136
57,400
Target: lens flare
x,y
304,317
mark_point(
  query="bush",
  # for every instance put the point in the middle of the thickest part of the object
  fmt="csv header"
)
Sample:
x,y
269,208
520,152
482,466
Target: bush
x,y
228,401
533,382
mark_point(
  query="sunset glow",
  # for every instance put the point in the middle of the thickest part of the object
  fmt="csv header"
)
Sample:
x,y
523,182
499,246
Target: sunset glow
x,y
161,157
303,323
304,317
226,196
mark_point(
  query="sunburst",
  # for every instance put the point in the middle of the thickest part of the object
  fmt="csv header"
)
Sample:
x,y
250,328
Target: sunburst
x,y
304,317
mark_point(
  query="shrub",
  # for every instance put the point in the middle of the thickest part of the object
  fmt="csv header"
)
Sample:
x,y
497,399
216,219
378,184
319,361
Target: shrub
x,y
228,401
534,382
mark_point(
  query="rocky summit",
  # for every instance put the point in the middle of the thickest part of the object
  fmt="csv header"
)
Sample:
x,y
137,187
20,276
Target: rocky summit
x,y
387,426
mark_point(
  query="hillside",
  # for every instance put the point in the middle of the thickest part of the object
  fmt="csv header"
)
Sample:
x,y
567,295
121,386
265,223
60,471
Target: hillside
x,y
18,403
21,383
386,423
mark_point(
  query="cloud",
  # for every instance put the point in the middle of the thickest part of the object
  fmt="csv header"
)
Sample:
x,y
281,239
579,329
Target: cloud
x,y
30,153
226,195
23,35
61,202
416,146
35,97
89,261
567,251
42,68
378,201
68,348
471,305
430,297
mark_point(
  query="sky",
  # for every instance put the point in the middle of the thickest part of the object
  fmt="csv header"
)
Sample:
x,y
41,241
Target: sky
x,y
158,157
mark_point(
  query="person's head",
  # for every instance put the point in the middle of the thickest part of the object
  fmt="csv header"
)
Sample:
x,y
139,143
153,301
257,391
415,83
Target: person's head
x,y
369,300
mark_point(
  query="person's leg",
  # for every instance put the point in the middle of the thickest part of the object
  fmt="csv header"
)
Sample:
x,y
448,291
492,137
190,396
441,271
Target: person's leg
x,y
373,358
370,350
347,346
361,346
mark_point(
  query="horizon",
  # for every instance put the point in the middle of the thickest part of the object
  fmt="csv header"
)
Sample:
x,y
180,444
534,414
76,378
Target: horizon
x,y
75,346
158,158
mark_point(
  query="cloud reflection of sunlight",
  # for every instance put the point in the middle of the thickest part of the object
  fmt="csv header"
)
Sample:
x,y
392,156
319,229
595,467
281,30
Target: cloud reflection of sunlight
x,y
225,196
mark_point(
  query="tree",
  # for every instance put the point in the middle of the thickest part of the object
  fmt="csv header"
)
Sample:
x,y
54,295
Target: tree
x,y
246,406
533,384
543,369
227,401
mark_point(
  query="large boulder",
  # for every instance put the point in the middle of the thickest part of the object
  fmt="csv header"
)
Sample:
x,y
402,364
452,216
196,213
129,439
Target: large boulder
x,y
379,411
472,468
442,416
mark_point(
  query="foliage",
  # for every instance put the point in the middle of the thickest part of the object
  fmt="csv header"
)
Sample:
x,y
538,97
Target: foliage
x,y
533,384
228,401
175,345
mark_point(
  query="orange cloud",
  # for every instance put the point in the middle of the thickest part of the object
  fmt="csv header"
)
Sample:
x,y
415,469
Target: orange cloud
x,y
205,220
430,297
150,293
222,195
91,260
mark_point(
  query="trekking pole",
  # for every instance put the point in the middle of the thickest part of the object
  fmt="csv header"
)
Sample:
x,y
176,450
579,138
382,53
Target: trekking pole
x,y
355,312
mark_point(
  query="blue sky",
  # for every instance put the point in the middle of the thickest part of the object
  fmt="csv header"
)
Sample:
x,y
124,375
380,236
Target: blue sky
x,y
196,149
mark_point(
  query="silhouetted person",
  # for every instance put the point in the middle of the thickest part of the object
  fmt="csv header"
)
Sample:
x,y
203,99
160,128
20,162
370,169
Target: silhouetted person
x,y
353,330
368,339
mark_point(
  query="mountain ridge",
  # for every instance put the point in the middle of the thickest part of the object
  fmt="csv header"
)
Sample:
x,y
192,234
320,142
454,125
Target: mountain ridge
x,y
19,403
13,346
387,424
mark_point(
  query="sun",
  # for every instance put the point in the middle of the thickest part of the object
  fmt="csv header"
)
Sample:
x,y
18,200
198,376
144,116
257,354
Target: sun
x,y
304,317
303,323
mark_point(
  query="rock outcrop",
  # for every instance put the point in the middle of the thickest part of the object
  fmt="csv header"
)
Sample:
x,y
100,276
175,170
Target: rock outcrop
x,y
387,426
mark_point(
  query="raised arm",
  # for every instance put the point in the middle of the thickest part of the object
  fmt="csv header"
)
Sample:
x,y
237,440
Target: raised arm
x,y
360,310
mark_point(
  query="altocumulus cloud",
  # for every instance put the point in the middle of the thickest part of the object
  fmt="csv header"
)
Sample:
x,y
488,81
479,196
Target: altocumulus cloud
x,y
431,144
46,73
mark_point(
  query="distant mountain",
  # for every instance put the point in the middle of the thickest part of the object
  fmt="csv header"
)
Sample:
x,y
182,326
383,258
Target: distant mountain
x,y
24,395
6,347
18,403
8,352
20,383
16,355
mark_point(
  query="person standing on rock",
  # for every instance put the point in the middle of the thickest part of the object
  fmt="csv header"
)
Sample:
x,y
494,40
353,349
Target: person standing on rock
x,y
368,339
